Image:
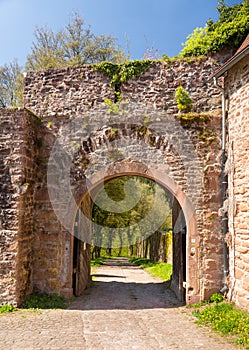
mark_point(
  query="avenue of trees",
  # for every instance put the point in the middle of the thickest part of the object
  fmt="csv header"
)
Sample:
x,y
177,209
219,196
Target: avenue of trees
x,y
144,233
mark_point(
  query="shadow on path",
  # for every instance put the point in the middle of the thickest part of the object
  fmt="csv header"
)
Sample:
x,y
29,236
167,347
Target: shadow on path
x,y
121,285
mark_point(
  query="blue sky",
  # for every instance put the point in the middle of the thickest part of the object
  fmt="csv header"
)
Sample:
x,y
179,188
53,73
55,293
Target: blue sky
x,y
162,24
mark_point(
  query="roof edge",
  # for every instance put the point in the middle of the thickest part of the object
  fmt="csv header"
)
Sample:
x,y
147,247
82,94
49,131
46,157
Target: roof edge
x,y
230,63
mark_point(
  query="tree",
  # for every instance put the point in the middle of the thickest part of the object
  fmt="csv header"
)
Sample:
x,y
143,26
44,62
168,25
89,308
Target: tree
x,y
11,82
229,31
136,219
76,44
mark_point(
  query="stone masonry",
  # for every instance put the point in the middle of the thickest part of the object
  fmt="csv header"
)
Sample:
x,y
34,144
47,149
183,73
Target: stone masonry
x,y
237,88
18,179
37,245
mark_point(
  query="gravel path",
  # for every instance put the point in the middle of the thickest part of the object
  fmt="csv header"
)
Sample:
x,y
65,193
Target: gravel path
x,y
125,309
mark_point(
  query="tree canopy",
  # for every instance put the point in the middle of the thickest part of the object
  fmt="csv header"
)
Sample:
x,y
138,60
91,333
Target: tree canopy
x,y
229,31
148,193
74,45
11,81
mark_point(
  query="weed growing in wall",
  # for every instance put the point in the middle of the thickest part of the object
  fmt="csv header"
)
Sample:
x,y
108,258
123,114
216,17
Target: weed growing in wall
x,y
184,101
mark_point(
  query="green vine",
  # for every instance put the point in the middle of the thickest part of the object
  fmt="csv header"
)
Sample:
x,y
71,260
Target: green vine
x,y
121,73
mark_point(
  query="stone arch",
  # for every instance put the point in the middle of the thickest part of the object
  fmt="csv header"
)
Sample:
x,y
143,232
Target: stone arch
x,y
160,149
182,203
167,157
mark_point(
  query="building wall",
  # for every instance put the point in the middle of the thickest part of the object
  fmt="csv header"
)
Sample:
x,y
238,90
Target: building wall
x,y
237,89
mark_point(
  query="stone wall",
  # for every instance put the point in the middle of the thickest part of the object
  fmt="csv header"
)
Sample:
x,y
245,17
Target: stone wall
x,y
58,95
237,89
17,181
157,86
52,245
66,91
73,90
70,105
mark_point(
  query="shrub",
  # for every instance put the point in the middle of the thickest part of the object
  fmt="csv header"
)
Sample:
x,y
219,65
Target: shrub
x,y
216,298
184,101
229,31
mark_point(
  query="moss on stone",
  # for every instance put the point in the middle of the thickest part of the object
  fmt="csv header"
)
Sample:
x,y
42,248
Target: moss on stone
x,y
188,119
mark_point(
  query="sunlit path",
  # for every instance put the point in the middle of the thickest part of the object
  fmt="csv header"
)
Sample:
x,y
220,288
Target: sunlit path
x,y
124,309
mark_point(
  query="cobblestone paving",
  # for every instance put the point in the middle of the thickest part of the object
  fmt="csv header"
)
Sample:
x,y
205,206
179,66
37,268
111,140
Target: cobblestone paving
x,y
125,309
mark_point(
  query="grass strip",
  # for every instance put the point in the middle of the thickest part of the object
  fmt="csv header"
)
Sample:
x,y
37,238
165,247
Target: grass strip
x,y
162,270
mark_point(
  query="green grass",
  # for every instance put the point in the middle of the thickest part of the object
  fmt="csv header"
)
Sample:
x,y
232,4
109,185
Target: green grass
x,y
158,269
44,301
7,308
226,319
98,261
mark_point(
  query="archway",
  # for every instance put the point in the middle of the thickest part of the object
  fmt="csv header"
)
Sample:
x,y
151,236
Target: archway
x,y
184,280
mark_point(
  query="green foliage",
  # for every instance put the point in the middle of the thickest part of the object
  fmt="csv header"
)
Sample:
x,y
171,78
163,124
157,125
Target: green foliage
x,y
98,261
197,43
11,85
111,70
125,202
123,197
133,69
75,45
143,262
113,107
223,317
158,269
184,101
229,31
121,73
192,118
200,121
44,301
7,308
216,298
198,305
115,252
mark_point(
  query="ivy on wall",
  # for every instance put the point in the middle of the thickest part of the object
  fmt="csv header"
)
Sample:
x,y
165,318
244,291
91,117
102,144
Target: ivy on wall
x,y
121,73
